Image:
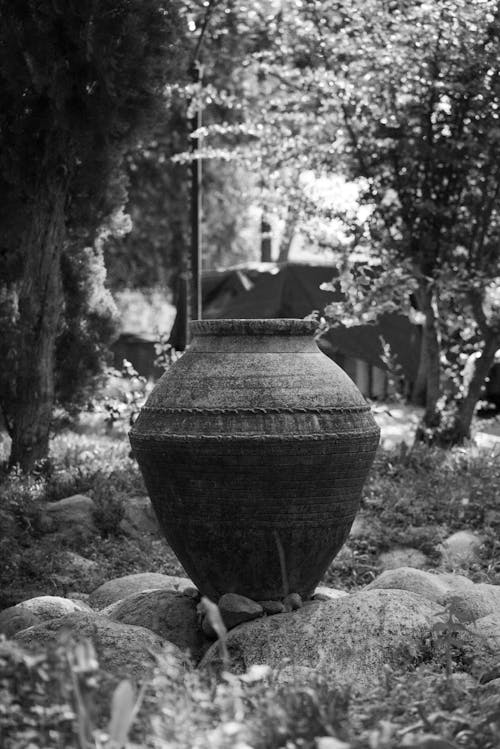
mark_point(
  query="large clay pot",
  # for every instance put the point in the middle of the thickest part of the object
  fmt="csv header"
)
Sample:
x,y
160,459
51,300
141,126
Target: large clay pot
x,y
254,448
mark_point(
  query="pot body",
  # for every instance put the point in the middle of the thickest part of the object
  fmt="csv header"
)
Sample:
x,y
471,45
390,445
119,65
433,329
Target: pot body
x,y
254,447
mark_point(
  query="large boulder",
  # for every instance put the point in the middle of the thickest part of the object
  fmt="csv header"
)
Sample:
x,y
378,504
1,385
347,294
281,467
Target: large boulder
x,y
139,518
476,602
434,587
72,517
403,557
121,587
171,615
350,638
461,548
123,650
470,600
486,630
35,611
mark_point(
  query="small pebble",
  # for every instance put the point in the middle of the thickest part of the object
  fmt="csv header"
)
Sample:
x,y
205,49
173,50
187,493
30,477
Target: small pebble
x,y
236,609
292,602
192,592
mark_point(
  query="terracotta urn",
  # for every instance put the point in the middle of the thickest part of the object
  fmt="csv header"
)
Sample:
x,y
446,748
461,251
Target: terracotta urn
x,y
254,447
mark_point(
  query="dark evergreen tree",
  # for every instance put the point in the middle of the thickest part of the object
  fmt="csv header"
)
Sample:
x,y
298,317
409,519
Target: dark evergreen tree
x,y
80,84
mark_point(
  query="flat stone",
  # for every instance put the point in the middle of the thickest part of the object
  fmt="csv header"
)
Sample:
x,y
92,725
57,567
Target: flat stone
x,y
272,607
139,518
35,611
349,639
171,615
121,587
123,650
324,593
236,609
404,557
296,675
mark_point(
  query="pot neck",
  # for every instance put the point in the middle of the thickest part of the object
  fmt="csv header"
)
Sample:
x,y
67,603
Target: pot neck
x,y
276,327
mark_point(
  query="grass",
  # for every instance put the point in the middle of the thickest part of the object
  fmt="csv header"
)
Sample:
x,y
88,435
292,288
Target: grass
x,y
412,498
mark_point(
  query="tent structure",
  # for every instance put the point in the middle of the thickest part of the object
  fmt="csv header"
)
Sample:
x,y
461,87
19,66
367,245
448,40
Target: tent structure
x,y
284,290
295,290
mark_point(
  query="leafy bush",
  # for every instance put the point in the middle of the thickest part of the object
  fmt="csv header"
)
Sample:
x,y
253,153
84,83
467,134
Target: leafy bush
x,y
62,698
417,498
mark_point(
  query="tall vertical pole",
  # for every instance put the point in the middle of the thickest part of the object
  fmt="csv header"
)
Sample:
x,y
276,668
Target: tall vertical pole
x,y
196,208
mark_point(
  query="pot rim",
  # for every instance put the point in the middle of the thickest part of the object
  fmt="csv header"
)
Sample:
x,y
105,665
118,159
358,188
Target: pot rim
x,y
285,326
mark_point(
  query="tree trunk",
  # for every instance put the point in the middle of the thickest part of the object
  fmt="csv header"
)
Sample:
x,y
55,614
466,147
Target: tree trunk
x,y
419,388
428,305
460,428
40,307
288,235
265,239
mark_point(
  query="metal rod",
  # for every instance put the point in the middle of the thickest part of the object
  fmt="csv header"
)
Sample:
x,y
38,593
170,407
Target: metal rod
x,y
196,207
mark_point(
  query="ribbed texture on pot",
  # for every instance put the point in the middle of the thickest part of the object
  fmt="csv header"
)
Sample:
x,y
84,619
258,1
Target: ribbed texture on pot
x,y
254,448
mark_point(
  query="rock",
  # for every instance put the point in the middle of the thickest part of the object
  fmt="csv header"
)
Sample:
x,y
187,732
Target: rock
x,y
491,689
329,742
405,557
487,630
72,516
77,595
492,517
236,609
292,602
191,592
362,527
456,583
350,639
125,651
464,680
426,584
461,548
272,607
139,518
171,615
324,593
35,611
476,601
121,587
75,563
296,675
435,587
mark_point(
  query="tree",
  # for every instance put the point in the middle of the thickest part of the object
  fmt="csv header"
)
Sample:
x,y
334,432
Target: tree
x,y
404,98
79,84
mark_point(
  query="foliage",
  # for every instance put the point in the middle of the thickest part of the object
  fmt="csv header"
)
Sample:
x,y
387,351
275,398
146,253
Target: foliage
x,y
55,699
79,86
157,249
402,99
62,698
414,497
